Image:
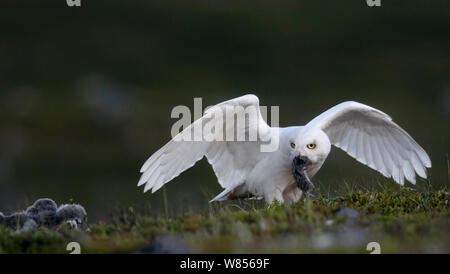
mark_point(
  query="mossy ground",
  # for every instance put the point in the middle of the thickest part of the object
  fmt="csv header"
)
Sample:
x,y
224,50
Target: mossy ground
x,y
401,221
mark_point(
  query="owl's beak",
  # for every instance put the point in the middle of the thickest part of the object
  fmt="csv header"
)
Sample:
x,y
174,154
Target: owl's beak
x,y
299,165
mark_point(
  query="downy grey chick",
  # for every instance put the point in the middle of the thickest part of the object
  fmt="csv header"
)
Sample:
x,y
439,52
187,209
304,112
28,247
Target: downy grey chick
x,y
43,212
75,215
18,221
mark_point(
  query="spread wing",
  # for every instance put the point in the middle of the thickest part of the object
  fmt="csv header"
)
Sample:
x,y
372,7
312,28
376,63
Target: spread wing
x,y
231,161
371,137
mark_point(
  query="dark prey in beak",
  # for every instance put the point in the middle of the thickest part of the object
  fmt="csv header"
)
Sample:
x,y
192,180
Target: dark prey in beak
x,y
299,165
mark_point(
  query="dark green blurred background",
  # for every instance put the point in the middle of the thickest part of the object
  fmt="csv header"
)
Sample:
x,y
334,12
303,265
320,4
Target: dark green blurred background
x,y
86,93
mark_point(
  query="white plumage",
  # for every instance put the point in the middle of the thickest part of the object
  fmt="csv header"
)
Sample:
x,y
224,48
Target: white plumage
x,y
367,134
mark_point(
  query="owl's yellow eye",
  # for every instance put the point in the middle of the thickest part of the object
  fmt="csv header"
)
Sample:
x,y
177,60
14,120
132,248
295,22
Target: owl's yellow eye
x,y
311,146
292,145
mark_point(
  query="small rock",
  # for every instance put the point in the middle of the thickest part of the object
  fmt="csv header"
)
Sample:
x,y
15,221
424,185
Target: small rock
x,y
351,215
165,245
341,238
324,241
